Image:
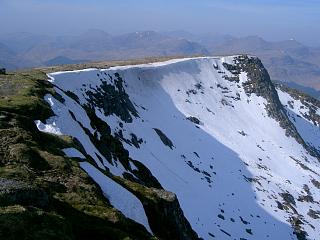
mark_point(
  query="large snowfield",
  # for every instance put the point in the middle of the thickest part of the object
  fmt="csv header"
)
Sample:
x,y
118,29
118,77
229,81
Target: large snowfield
x,y
231,166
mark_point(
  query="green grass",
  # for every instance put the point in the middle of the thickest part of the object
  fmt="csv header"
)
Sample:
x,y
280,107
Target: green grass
x,y
22,93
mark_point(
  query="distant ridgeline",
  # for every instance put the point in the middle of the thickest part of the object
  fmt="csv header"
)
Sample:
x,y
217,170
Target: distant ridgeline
x,y
303,89
188,148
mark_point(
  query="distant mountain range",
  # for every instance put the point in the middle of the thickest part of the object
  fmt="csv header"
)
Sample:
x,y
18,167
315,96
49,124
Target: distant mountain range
x,y
22,50
287,61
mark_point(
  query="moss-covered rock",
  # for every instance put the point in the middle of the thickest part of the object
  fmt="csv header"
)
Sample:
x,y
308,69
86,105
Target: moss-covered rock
x,y
18,222
165,216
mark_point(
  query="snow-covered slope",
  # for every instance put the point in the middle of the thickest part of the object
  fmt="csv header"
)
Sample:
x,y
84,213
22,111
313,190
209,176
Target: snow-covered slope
x,y
211,130
304,112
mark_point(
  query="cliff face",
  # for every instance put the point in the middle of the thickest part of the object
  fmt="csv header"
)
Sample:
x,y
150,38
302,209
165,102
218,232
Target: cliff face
x,y
204,147
260,84
303,112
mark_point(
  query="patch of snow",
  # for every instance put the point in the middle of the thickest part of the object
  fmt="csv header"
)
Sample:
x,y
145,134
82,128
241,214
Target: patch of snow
x,y
73,153
133,167
49,127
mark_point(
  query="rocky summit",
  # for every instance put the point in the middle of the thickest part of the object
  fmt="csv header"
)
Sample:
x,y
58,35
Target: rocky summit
x,y
189,148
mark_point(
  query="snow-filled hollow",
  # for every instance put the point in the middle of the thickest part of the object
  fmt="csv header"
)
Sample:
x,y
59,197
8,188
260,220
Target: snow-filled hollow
x,y
234,164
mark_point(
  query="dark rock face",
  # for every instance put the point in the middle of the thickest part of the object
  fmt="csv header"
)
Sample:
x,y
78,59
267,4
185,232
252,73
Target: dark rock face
x,y
16,192
175,225
288,198
260,84
166,141
112,149
297,229
194,120
314,214
163,210
113,99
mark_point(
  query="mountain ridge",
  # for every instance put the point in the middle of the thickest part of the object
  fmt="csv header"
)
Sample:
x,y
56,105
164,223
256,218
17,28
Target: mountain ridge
x,y
189,92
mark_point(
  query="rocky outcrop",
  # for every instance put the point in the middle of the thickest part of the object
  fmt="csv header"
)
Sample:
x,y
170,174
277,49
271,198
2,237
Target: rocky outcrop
x,y
260,84
165,216
112,98
166,141
20,193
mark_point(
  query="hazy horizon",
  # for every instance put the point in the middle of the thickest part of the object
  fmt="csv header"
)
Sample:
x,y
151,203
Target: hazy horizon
x,y
271,20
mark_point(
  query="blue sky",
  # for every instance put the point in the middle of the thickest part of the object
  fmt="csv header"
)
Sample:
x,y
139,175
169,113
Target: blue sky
x,y
273,20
